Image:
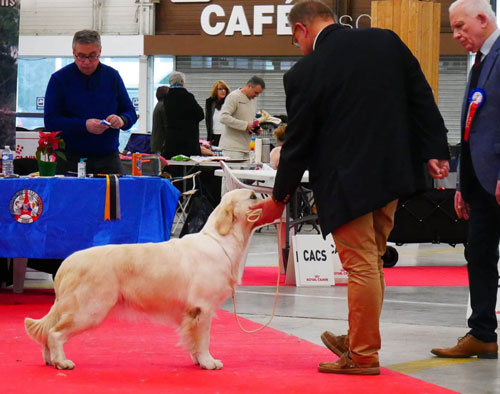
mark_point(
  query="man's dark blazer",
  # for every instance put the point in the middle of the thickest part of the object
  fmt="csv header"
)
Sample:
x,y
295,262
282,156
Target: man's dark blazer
x,y
184,115
362,119
483,150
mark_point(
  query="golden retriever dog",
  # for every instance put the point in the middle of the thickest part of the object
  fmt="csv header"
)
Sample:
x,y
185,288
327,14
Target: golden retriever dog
x,y
182,281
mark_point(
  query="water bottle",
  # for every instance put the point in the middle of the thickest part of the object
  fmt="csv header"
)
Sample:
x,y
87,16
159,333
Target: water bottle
x,y
7,162
252,151
82,168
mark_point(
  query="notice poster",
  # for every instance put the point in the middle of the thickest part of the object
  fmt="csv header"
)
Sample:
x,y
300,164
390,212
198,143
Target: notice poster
x,y
316,261
9,38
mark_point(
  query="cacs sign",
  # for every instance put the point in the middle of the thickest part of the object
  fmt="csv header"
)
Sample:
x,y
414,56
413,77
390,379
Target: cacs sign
x,y
316,261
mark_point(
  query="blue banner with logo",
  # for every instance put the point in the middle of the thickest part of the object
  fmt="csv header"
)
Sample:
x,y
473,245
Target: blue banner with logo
x,y
9,38
54,217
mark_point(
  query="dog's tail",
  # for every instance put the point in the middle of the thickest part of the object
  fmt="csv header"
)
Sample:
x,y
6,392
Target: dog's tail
x,y
38,329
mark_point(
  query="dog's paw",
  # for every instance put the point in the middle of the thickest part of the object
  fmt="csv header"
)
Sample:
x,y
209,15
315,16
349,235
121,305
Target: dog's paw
x,y
46,356
65,364
211,364
195,359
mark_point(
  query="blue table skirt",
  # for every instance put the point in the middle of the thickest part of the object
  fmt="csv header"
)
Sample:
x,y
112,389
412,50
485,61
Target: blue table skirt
x,y
72,214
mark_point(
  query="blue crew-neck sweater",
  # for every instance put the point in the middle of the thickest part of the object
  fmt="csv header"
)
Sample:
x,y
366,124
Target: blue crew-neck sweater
x,y
72,98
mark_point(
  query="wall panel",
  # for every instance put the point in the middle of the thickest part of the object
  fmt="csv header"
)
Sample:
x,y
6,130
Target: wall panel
x,y
64,17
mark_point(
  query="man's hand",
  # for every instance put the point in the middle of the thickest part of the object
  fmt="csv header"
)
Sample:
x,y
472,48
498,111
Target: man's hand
x,y
206,151
94,126
271,210
438,169
461,207
116,121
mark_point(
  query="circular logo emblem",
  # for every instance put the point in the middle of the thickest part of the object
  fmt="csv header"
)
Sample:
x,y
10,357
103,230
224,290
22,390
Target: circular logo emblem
x,y
26,206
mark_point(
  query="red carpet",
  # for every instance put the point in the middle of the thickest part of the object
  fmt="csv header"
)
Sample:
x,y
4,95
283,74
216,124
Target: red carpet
x,y
140,357
396,276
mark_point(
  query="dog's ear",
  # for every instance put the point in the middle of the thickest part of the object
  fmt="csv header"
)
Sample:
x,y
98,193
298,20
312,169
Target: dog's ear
x,y
224,221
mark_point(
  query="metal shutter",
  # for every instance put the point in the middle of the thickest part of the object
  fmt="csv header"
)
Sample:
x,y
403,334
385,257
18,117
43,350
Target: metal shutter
x,y
202,71
452,83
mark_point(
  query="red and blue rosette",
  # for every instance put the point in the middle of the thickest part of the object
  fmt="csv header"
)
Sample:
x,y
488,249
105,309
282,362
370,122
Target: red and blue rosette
x,y
476,100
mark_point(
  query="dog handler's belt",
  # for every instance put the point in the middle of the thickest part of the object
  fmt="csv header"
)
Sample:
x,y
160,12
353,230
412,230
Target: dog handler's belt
x,y
112,204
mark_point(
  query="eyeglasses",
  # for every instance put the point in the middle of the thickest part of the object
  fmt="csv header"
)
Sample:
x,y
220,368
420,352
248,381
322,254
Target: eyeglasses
x,y
295,43
90,58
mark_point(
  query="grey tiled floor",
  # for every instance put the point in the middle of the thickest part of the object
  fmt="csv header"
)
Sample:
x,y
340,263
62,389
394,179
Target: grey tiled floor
x,y
414,319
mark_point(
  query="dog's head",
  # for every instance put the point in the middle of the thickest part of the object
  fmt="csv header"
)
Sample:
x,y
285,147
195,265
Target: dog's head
x,y
234,208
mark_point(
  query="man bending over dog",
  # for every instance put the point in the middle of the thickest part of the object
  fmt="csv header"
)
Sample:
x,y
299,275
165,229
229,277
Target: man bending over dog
x,y
374,123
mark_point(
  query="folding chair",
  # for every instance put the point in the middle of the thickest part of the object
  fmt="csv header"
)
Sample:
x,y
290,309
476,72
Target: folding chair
x,y
232,183
184,198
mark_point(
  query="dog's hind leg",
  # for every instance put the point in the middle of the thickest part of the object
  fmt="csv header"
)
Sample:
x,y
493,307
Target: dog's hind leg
x,y
56,339
46,355
195,331
89,313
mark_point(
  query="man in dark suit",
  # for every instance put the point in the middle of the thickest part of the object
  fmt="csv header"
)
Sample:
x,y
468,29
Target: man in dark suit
x,y
363,120
478,192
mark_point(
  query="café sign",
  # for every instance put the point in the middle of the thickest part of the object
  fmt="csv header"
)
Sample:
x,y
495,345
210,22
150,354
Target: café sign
x,y
236,21
214,20
230,28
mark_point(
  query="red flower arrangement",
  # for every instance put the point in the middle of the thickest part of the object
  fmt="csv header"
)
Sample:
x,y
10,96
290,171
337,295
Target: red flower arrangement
x,y
48,146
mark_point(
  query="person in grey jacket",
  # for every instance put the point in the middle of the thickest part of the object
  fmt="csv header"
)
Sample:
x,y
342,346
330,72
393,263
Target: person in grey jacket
x,y
238,114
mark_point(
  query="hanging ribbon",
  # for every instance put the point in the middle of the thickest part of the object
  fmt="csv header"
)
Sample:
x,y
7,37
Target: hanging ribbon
x,y
476,100
112,204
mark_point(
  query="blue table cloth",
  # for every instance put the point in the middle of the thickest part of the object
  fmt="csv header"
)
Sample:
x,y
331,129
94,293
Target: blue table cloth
x,y
54,217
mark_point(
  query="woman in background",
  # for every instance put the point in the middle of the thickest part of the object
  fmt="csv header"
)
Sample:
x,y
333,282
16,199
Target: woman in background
x,y
279,133
213,106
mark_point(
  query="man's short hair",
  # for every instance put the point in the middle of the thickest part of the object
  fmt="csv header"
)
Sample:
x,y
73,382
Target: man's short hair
x,y
474,7
255,80
306,11
87,37
176,78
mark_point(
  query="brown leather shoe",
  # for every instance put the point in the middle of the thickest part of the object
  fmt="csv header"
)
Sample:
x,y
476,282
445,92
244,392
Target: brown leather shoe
x,y
338,344
469,346
345,365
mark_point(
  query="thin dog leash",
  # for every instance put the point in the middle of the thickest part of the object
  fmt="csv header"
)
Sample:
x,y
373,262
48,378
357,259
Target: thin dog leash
x,y
252,216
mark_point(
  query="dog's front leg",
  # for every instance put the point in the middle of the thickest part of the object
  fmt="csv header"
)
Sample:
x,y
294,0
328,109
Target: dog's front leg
x,y
196,336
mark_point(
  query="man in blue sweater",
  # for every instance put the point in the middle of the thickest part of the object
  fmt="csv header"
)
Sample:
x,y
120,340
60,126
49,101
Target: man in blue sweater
x,y
87,101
